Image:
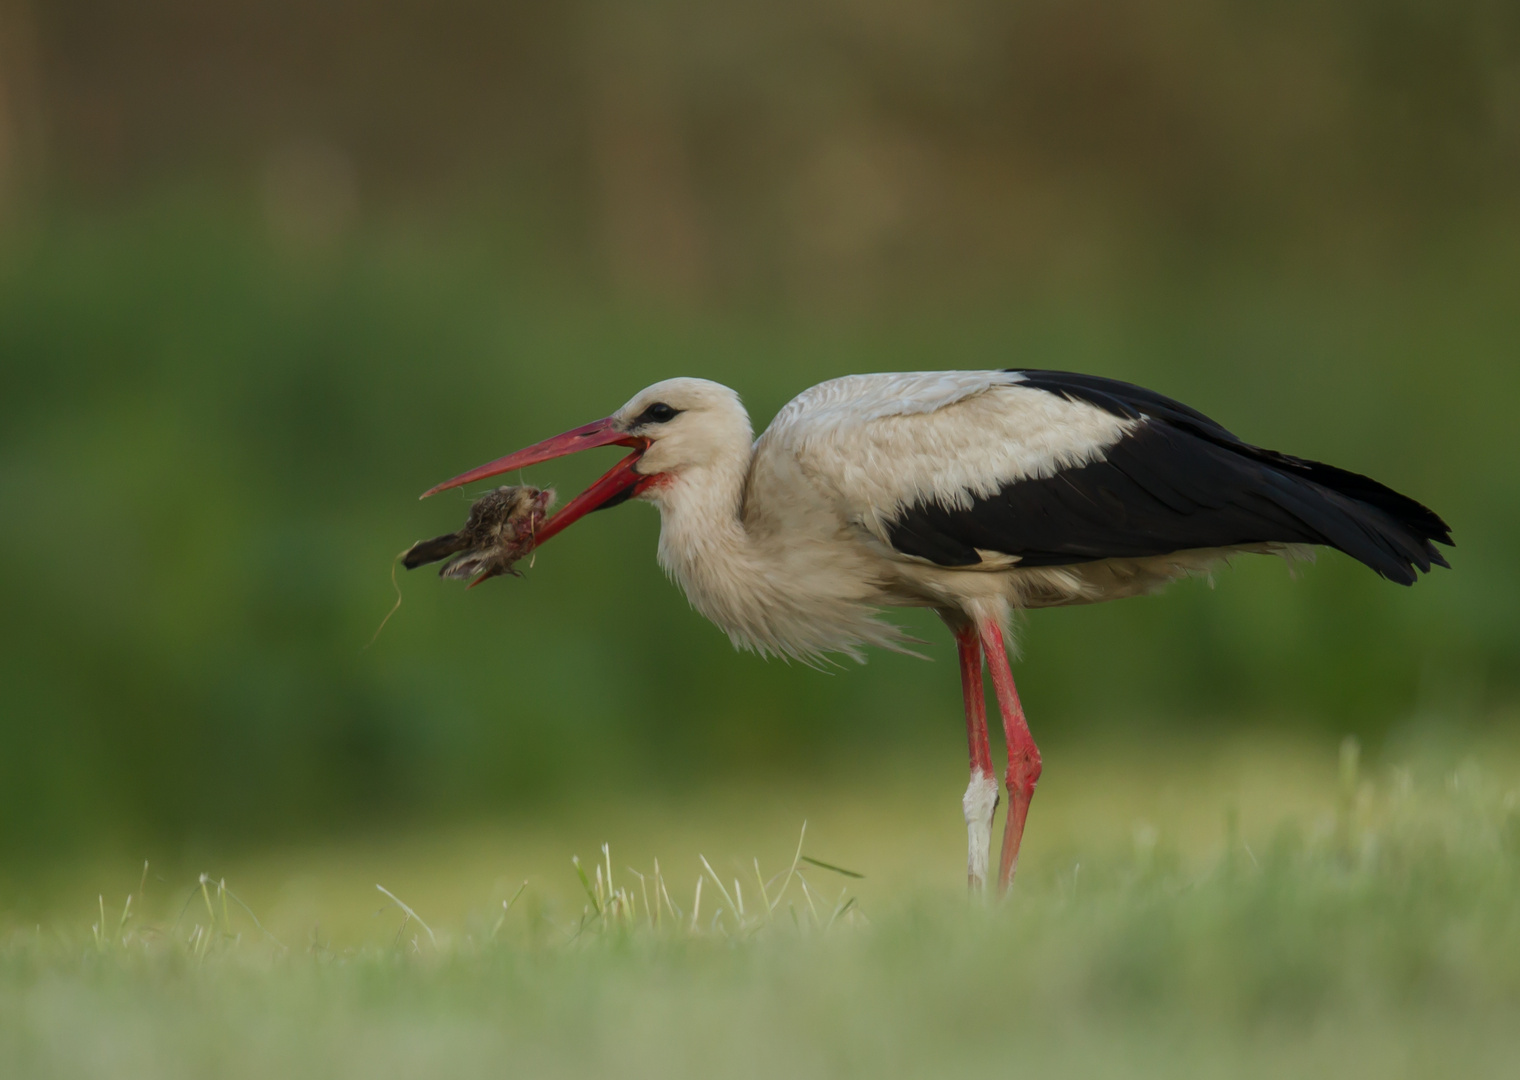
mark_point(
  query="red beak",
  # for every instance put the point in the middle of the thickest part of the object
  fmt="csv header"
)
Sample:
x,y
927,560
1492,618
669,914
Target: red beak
x,y
617,480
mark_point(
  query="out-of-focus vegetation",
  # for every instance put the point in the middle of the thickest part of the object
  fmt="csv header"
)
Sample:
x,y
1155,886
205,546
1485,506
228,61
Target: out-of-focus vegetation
x,y
1351,925
268,271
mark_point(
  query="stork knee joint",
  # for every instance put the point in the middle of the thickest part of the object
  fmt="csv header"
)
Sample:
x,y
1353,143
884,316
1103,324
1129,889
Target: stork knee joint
x,y
1024,773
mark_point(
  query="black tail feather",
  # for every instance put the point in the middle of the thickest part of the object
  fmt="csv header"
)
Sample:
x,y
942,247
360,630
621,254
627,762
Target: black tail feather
x,y
1389,532
1403,531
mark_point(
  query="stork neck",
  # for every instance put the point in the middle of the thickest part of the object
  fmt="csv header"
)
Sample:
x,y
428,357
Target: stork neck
x,y
786,592
701,519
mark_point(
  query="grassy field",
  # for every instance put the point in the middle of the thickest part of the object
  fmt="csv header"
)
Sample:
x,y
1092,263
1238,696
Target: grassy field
x,y
1246,909
268,271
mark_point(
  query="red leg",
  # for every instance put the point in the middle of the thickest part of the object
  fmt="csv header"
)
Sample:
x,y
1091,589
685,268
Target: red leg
x,y
981,796
1023,756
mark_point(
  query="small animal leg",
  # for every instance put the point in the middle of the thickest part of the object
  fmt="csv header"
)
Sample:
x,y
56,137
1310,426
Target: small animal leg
x,y
981,796
1023,756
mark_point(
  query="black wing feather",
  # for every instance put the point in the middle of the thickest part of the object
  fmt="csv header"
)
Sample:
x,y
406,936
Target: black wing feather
x,y
1179,481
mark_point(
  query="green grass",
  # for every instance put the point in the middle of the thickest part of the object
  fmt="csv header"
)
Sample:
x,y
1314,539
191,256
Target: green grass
x,y
1254,911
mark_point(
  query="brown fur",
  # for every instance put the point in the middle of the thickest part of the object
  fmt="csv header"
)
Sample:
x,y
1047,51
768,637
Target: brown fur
x,y
499,532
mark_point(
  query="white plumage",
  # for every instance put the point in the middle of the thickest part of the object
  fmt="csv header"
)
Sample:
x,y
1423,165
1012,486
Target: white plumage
x,y
974,493
881,442
784,544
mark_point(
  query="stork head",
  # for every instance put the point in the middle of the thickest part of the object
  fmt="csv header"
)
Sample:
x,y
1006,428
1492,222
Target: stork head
x,y
675,428
686,424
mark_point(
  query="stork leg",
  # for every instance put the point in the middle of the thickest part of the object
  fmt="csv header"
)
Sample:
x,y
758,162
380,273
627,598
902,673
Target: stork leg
x,y
981,796
1023,756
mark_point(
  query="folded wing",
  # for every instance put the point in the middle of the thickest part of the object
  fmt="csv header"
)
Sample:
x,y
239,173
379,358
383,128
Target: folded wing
x,y
1053,468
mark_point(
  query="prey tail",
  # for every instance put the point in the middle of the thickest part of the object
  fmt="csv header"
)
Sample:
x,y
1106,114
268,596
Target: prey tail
x,y
430,551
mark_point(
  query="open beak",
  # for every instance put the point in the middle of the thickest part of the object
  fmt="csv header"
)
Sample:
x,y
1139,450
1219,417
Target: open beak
x,y
621,479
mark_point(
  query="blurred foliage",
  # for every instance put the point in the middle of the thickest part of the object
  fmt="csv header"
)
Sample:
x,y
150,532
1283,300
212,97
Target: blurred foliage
x,y
824,156
269,270
210,456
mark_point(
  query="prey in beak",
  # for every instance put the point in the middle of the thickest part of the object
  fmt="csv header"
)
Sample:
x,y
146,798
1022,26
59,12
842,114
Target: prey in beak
x,y
618,484
502,528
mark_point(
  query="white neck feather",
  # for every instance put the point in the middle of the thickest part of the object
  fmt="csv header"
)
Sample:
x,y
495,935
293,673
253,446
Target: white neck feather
x,y
776,592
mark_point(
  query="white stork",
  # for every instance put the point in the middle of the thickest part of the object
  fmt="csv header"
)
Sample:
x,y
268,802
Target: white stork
x,y
975,493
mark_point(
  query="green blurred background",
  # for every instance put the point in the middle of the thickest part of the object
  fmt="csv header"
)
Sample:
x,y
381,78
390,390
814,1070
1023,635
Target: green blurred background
x,y
268,270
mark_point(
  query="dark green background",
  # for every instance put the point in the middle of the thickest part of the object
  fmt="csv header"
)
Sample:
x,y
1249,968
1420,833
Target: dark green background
x,y
267,272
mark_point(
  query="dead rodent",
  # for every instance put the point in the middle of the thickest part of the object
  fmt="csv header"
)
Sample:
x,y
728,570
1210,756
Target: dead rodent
x,y
499,531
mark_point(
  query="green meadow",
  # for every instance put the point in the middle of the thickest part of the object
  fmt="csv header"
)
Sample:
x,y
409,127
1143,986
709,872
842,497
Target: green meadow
x,y
210,460
1264,909
271,807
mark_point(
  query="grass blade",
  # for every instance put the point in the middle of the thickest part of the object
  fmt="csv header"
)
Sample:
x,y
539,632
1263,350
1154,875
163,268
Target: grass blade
x,y
738,914
410,913
830,866
586,883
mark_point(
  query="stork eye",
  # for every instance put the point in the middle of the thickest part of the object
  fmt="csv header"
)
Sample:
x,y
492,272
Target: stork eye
x,y
658,413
